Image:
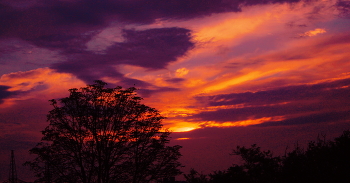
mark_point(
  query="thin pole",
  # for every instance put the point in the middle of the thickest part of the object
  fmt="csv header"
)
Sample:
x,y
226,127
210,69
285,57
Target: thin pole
x,y
13,172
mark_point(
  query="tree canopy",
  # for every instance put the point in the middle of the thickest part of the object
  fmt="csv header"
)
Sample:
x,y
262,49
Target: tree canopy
x,y
104,135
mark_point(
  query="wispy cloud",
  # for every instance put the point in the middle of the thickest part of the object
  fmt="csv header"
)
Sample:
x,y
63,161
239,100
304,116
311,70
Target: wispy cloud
x,y
312,32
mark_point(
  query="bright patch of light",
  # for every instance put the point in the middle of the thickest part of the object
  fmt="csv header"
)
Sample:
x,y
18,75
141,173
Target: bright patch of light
x,y
312,32
181,72
184,138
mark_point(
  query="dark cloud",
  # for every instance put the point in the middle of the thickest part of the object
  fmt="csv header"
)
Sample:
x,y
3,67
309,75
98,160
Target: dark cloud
x,y
344,7
175,80
66,42
328,117
88,67
67,26
335,90
152,49
4,93
95,68
317,99
42,19
137,11
50,25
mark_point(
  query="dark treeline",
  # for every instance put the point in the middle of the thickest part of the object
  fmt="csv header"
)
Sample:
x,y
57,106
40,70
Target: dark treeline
x,y
321,161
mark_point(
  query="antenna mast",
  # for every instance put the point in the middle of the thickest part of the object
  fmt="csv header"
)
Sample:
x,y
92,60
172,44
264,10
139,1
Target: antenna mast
x,y
13,172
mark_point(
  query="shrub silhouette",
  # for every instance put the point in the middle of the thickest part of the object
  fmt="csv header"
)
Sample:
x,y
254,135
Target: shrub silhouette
x,y
321,161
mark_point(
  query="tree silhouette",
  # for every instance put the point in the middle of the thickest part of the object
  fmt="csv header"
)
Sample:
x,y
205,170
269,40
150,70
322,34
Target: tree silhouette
x,y
195,177
322,161
260,166
234,174
104,135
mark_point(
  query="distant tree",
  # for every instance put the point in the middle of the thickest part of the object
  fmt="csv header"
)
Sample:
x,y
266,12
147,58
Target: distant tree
x,y
104,135
234,174
260,166
195,177
321,161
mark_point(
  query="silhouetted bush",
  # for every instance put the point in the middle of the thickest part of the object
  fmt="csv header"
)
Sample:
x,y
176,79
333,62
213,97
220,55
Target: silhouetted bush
x,y
321,161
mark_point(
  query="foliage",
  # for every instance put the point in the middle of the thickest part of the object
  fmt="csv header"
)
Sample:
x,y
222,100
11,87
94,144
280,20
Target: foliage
x,y
195,177
260,166
233,174
99,134
322,161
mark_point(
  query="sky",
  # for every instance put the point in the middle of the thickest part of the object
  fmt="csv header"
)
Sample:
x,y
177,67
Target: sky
x,y
223,72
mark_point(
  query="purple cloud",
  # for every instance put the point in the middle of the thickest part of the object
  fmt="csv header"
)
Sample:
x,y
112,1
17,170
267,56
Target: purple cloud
x,y
344,7
67,26
42,19
307,101
4,93
175,80
152,49
284,94
333,117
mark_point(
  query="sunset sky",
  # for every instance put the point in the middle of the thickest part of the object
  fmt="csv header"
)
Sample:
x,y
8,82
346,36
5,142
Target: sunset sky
x,y
223,72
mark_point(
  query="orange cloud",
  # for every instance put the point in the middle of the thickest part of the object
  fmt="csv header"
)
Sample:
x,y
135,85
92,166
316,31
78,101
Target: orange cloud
x,y
179,126
183,138
313,32
42,83
241,123
181,72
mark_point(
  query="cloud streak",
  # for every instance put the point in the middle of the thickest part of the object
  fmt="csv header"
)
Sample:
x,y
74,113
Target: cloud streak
x,y
300,104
